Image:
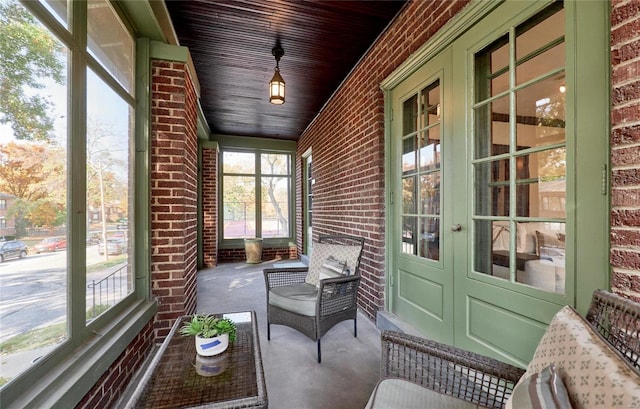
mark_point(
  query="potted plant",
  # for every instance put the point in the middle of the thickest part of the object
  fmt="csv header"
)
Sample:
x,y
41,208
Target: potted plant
x,y
212,334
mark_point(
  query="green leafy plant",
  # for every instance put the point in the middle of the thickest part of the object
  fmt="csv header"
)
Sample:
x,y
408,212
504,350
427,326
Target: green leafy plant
x,y
208,326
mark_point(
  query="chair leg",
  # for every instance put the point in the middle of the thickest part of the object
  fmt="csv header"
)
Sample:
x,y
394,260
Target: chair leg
x,y
319,353
355,327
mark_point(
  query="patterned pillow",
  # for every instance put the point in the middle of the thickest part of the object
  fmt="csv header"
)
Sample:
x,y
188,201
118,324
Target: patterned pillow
x,y
595,375
544,390
331,260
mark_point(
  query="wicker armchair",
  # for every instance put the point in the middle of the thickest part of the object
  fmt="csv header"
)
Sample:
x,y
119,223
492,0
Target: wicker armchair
x,y
313,299
488,383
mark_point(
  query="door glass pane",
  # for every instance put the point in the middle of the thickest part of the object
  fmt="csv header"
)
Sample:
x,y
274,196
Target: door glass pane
x,y
409,153
541,184
528,252
492,127
540,109
430,238
410,115
409,235
109,198
421,184
409,195
492,188
430,149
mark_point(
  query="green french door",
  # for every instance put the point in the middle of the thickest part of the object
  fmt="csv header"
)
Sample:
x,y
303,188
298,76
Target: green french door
x,y
492,151
423,277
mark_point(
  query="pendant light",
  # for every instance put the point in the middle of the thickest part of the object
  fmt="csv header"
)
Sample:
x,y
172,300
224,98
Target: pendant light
x,y
276,85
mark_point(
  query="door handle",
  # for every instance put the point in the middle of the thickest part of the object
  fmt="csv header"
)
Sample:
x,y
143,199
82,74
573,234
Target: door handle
x,y
456,227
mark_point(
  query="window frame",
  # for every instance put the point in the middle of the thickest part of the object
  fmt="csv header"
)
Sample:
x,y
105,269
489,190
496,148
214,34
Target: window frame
x,y
257,146
62,377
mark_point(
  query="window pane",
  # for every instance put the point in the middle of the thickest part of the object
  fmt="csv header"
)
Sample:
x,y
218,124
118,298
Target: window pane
x,y
239,193
59,9
275,207
110,42
542,184
274,164
239,162
109,184
33,186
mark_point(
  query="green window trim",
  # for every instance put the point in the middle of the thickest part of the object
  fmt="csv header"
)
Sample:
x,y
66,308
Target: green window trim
x,y
258,146
62,378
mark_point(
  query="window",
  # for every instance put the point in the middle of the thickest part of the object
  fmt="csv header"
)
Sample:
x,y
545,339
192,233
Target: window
x,y
3,204
47,141
256,191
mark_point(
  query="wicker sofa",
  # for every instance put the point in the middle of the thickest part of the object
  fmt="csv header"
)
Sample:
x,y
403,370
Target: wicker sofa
x,y
579,363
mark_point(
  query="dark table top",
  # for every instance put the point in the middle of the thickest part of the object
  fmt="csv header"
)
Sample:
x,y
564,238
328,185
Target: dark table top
x,y
179,378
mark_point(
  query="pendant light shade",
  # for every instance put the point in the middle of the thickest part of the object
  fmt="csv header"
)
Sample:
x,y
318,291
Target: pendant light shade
x,y
276,85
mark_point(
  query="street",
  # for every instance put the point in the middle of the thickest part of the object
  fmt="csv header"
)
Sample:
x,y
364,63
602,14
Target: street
x,y
33,290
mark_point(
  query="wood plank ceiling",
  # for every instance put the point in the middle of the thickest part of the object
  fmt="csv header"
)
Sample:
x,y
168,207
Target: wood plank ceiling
x,y
231,41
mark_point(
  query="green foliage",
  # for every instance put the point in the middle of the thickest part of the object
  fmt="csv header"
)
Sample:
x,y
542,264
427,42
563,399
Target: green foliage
x,y
29,54
208,326
94,311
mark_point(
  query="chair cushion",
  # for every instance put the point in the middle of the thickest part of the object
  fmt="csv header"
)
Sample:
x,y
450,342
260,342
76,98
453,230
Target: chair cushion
x,y
331,260
397,393
299,298
541,390
595,374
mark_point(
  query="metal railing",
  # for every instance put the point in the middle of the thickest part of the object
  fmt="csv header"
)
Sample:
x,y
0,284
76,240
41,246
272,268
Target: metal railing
x,y
108,291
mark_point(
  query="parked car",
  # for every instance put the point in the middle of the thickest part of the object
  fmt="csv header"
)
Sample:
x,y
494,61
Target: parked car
x,y
51,244
12,249
114,246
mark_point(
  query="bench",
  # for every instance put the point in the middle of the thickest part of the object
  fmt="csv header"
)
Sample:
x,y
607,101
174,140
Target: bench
x,y
579,363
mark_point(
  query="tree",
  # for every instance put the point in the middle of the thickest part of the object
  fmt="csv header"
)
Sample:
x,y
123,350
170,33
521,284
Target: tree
x,y
29,54
22,170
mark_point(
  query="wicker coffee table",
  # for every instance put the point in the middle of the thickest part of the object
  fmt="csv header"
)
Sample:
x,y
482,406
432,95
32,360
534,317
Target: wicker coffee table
x,y
179,378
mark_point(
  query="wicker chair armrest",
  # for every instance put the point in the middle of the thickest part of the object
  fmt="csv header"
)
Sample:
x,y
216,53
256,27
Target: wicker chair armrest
x,y
335,295
279,277
446,369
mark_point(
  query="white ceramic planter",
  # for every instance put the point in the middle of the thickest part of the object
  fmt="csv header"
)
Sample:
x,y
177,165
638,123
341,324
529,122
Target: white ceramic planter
x,y
211,346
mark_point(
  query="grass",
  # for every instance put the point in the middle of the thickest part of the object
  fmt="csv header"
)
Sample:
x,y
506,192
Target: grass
x,y
35,338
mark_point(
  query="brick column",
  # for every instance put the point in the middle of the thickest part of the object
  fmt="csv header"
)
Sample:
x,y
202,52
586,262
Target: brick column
x,y
625,149
174,166
209,174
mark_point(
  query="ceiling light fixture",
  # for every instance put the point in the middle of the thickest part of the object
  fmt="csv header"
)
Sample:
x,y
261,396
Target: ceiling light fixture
x,y
276,85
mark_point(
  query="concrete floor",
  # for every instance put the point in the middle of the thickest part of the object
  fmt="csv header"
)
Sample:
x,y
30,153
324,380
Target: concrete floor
x,y
295,380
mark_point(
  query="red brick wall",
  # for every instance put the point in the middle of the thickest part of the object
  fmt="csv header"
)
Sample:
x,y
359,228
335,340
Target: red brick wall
x,y
210,206
625,148
347,142
112,384
268,254
174,167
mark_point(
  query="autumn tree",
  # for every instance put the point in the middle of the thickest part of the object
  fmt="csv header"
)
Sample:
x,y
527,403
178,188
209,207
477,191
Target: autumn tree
x,y
21,171
29,55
